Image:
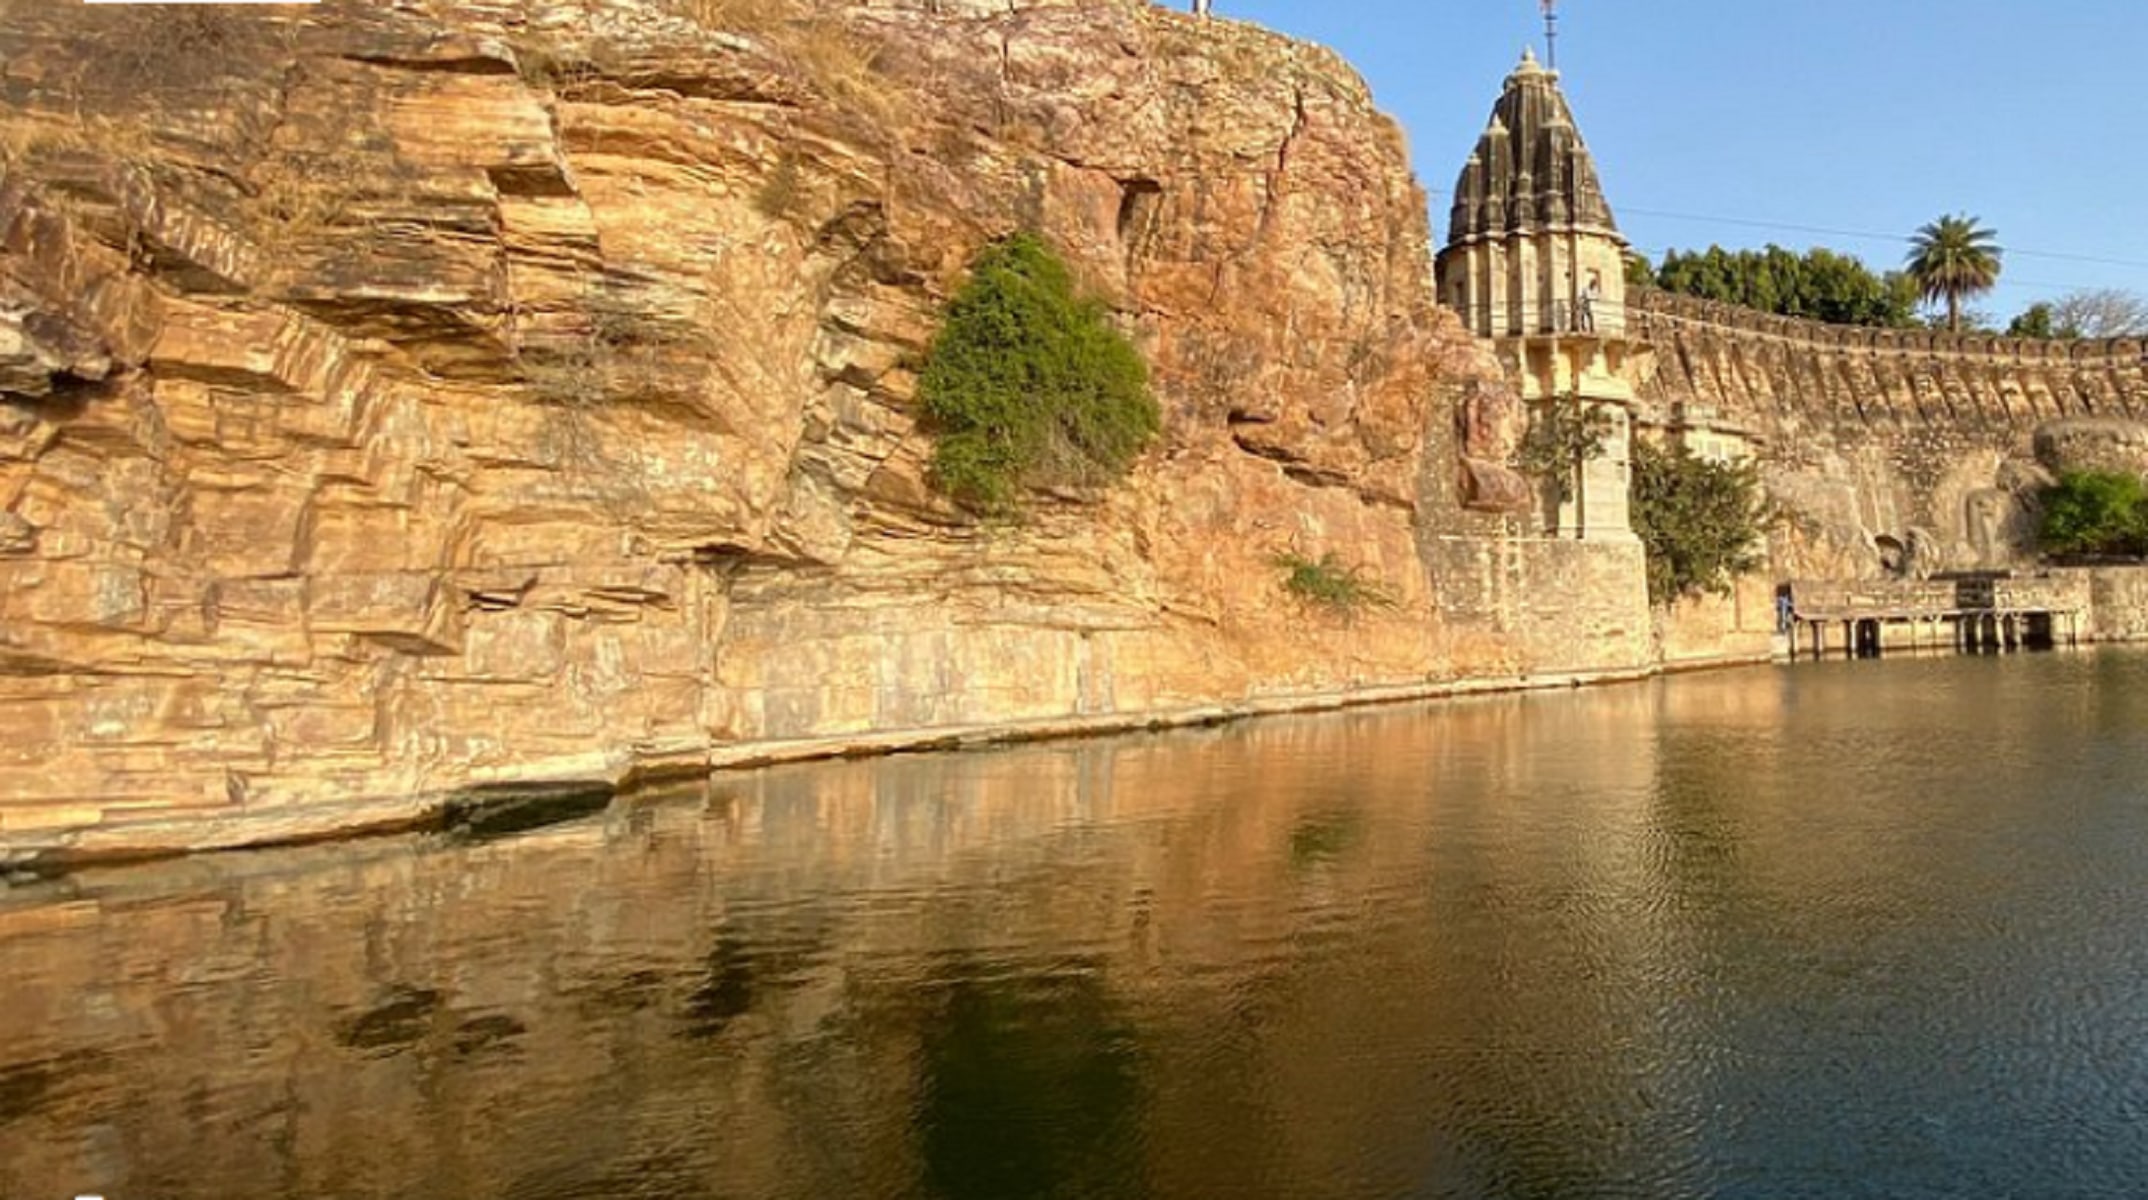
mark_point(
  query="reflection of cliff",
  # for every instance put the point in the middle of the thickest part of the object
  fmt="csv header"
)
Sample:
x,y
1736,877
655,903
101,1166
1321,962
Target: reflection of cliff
x,y
805,981
1895,449
1557,945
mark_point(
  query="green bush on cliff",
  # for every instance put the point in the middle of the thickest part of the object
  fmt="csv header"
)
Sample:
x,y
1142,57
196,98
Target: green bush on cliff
x,y
1700,521
2095,513
1343,589
1028,385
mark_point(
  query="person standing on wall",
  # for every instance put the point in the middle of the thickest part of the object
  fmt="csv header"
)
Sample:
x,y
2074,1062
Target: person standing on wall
x,y
1200,8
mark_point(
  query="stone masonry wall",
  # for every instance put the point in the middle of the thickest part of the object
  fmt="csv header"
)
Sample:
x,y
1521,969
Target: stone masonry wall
x,y
1884,446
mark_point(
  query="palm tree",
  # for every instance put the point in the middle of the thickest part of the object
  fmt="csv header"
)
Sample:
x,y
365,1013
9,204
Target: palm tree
x,y
1951,258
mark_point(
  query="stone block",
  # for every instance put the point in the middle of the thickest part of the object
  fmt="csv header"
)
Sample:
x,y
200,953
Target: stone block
x,y
411,611
517,645
369,539
248,533
74,594
1489,487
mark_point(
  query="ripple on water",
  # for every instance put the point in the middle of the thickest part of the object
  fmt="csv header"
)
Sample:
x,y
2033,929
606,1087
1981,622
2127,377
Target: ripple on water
x,y
1854,930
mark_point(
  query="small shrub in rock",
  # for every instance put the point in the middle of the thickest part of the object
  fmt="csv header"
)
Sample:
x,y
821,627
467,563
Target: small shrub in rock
x,y
1330,584
1563,436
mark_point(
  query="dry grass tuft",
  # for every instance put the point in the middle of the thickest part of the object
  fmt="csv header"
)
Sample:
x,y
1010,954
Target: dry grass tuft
x,y
839,58
28,137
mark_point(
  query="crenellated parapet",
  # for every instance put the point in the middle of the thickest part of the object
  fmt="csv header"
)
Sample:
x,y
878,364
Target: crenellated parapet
x,y
1761,372
1657,314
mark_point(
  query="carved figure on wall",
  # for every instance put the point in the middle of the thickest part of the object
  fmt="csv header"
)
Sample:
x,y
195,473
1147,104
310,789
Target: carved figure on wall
x,y
1491,421
1921,553
1986,515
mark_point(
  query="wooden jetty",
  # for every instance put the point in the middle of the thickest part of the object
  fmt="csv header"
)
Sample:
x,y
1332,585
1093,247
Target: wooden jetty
x,y
1967,614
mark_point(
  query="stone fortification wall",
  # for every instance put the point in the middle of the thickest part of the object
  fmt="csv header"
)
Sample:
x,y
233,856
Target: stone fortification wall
x,y
1748,362
1887,448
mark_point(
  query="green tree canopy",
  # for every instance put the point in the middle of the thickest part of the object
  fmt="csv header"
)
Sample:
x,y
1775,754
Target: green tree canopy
x,y
1818,285
1028,384
1952,258
1639,271
2035,321
2095,512
1698,520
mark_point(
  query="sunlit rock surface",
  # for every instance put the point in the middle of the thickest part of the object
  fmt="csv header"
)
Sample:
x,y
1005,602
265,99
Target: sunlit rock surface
x,y
399,396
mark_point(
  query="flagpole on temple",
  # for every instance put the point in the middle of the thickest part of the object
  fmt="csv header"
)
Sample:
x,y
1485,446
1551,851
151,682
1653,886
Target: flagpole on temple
x,y
1551,34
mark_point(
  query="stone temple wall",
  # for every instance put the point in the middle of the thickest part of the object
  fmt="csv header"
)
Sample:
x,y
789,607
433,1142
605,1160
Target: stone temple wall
x,y
1885,447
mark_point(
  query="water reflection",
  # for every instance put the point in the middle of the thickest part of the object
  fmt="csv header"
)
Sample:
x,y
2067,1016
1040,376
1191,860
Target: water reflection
x,y
1841,930
1031,1088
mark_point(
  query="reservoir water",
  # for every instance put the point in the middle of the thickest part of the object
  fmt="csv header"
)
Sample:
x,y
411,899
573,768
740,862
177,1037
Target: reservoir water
x,y
1850,929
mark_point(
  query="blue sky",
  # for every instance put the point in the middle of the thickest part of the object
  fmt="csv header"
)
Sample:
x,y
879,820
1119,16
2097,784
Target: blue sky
x,y
1854,115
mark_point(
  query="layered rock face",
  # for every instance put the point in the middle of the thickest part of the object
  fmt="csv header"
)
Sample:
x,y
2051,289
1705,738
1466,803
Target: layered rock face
x,y
399,397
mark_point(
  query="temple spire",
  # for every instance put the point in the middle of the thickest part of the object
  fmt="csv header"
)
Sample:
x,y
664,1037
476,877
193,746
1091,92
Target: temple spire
x,y
1530,165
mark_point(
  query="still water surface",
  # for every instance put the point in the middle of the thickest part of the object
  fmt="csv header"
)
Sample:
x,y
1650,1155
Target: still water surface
x,y
1842,930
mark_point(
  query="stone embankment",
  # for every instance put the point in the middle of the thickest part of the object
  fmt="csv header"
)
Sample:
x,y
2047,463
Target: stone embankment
x,y
399,399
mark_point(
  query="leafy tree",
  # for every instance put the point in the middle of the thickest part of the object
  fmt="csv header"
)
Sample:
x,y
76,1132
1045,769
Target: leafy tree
x,y
1564,435
2035,321
1951,258
2095,512
1028,385
1818,285
1639,271
1700,521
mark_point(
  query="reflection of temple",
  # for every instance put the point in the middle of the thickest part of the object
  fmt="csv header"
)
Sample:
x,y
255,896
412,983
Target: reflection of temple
x,y
1534,261
821,981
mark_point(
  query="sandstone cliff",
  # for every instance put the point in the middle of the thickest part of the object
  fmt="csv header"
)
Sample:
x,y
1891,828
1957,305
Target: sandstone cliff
x,y
399,397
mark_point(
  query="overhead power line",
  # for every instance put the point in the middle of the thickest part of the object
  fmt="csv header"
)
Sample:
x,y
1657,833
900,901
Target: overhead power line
x,y
1829,231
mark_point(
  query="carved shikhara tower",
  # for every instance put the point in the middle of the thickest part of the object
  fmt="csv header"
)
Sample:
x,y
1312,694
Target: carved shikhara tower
x,y
1535,262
